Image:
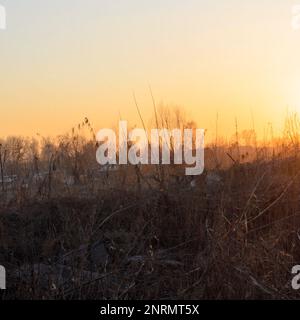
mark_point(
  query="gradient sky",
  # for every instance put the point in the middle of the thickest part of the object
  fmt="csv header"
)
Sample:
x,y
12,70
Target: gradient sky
x,y
62,60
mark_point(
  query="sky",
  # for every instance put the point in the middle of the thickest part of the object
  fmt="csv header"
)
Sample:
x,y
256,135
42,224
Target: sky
x,y
63,60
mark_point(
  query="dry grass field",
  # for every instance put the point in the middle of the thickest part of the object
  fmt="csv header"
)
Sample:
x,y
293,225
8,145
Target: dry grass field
x,y
70,229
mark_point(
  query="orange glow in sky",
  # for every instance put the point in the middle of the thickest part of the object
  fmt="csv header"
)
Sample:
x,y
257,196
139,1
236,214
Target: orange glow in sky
x,y
63,60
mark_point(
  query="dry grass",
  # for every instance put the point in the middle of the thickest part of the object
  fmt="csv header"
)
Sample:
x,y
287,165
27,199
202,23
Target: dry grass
x,y
235,237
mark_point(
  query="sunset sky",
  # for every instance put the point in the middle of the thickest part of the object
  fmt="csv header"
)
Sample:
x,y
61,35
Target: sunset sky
x,y
63,60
